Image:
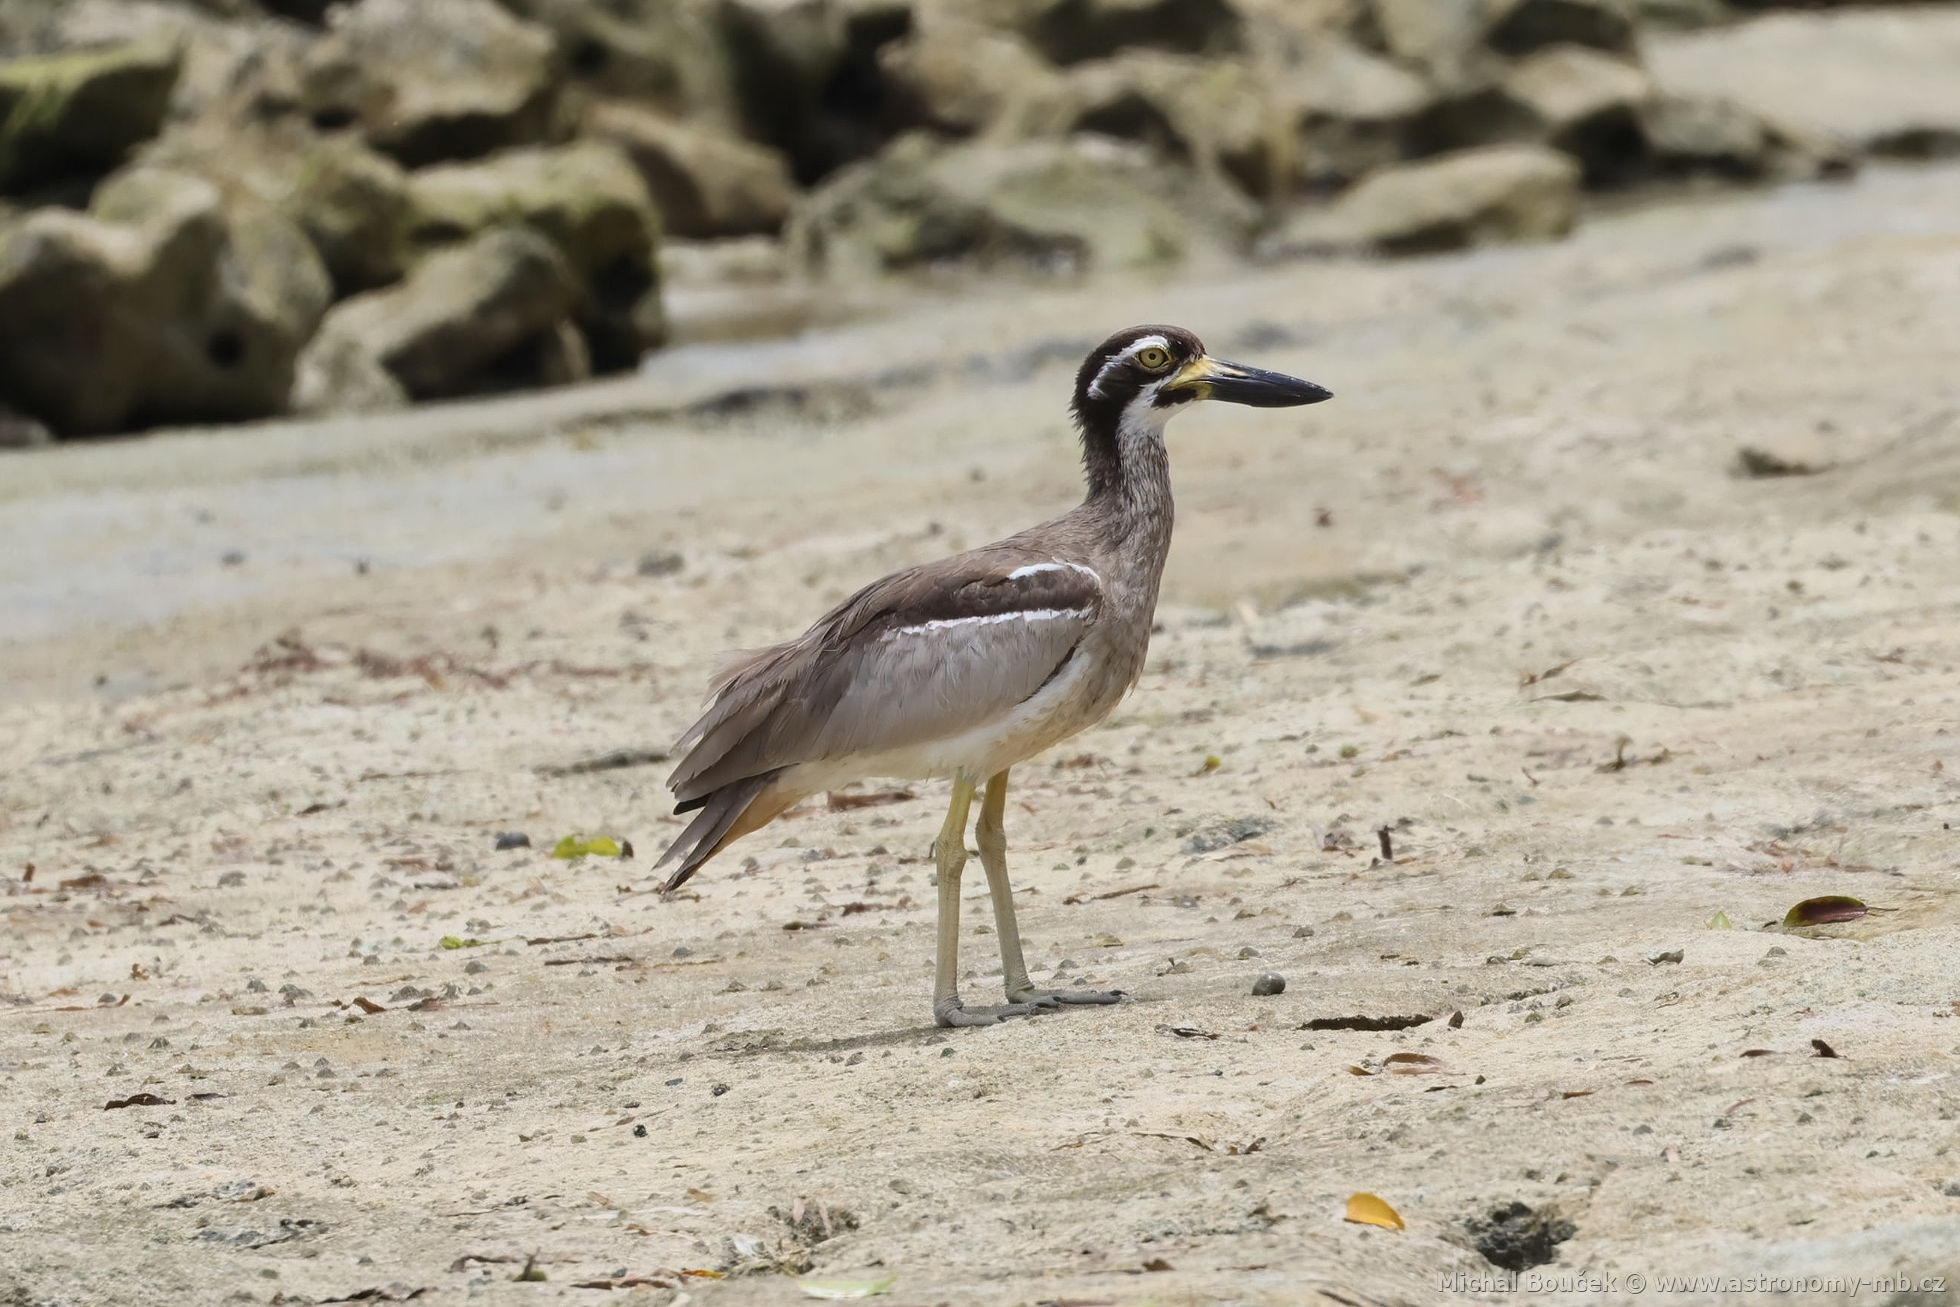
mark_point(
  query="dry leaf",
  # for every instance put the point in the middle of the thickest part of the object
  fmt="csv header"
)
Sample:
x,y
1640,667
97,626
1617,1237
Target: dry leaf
x,y
1824,910
1366,1209
1415,1064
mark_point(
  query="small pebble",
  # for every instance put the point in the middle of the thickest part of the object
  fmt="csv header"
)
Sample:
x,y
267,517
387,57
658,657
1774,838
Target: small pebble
x,y
660,562
1248,952
1269,984
639,1132
512,839
1671,955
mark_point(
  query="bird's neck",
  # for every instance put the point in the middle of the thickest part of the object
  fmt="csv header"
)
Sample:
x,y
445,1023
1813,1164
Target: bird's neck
x,y
1130,498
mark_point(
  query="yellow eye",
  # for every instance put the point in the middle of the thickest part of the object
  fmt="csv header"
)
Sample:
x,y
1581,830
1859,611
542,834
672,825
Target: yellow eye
x,y
1156,358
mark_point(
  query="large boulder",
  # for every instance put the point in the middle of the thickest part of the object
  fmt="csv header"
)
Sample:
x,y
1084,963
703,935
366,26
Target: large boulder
x,y
1348,111
74,115
1059,206
807,77
349,200
656,50
1587,104
1070,31
1503,193
353,204
1518,27
1329,115
1885,81
705,182
1689,135
490,315
235,62
157,306
1442,38
954,75
432,80
588,200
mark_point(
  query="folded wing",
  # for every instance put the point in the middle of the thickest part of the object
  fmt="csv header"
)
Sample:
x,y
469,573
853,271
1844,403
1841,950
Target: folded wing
x,y
925,654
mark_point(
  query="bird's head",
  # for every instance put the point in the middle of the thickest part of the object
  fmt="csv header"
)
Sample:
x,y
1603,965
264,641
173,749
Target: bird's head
x,y
1135,381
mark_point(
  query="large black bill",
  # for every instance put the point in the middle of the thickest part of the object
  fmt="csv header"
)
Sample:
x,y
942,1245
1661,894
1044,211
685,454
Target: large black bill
x,y
1236,384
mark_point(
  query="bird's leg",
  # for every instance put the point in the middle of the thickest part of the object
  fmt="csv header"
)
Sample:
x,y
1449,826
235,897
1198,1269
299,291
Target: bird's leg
x,y
949,854
990,832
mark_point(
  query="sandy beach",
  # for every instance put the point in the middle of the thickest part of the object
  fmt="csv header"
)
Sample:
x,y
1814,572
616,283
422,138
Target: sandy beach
x,y
1619,586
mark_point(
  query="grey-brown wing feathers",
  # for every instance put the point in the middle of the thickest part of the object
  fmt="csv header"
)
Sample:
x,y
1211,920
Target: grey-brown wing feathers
x,y
925,654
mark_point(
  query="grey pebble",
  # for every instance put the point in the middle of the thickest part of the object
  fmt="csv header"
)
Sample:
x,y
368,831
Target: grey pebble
x,y
1269,984
512,839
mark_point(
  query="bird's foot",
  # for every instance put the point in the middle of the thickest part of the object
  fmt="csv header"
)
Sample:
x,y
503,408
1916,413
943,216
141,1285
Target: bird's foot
x,y
1067,997
952,1012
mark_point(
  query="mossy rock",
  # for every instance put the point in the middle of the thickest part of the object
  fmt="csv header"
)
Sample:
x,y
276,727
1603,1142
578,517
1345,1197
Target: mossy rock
x,y
77,113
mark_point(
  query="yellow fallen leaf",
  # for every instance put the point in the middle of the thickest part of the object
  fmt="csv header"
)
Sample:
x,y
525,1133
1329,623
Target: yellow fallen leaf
x,y
1366,1209
602,846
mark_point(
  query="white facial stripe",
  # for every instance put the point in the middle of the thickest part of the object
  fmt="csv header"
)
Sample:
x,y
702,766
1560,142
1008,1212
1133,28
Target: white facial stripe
x,y
1032,569
948,623
1142,343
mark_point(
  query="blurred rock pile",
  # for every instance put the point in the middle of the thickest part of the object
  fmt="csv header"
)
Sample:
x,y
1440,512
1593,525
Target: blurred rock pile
x,y
219,210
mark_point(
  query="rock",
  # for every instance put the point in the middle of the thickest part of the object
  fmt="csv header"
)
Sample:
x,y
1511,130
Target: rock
x,y
1587,104
75,114
234,63
1154,99
1330,115
1053,205
1519,27
704,182
1070,31
1476,197
431,80
353,204
1688,135
1881,81
1471,114
953,75
1269,984
157,306
18,431
493,314
1350,111
1444,38
667,53
350,201
807,78
589,201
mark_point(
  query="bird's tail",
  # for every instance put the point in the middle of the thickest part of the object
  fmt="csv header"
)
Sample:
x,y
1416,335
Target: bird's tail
x,y
725,815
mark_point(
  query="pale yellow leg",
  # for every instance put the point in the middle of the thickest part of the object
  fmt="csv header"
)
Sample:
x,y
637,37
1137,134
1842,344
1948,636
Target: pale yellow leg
x,y
949,856
990,832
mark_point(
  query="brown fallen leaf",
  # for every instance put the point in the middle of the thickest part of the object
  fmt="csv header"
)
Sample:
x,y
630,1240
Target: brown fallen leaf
x,y
1759,1052
1366,1209
138,1100
1414,1064
367,1005
1823,1049
1158,1264
1824,910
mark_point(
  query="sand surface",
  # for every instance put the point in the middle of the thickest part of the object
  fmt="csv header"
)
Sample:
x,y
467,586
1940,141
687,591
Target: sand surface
x,y
270,695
